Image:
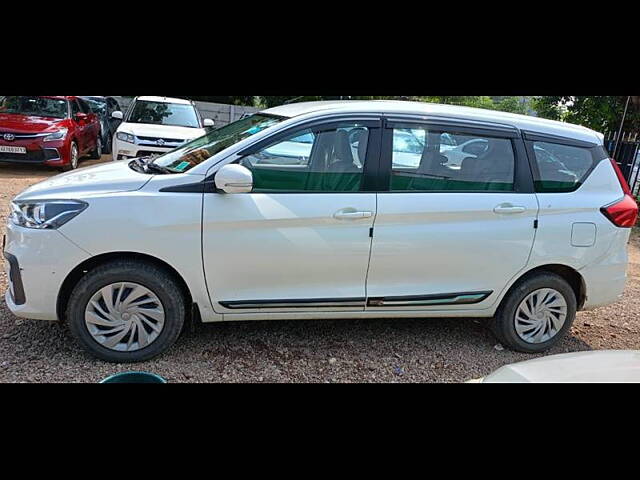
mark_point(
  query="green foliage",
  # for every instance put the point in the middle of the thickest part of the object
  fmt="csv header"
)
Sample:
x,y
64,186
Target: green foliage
x,y
506,104
601,113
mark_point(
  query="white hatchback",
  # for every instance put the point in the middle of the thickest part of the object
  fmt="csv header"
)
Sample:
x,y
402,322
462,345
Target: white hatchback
x,y
329,210
155,125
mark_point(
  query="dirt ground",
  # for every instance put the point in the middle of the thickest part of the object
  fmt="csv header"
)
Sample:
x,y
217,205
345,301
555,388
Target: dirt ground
x,y
406,350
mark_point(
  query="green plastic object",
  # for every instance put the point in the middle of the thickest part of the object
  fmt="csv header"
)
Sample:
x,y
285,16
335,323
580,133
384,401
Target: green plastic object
x,y
134,377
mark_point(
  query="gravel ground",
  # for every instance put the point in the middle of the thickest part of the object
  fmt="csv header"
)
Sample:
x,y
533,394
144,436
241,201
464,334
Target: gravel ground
x,y
401,350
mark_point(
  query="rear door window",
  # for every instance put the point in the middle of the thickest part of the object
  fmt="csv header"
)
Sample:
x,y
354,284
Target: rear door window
x,y
433,160
561,168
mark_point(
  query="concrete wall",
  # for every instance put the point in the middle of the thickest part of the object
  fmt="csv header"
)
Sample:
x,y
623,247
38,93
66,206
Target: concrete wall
x,y
220,113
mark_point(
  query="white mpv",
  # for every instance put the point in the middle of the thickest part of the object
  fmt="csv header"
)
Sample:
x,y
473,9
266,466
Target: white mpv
x,y
329,210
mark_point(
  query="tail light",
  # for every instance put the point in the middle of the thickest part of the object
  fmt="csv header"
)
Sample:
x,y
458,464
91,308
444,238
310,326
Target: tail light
x,y
624,212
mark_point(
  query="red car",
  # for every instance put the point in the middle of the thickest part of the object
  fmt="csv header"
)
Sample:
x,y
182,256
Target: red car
x,y
53,131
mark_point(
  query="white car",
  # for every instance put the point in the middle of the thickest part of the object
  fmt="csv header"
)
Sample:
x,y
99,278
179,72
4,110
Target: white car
x,y
254,222
155,125
600,366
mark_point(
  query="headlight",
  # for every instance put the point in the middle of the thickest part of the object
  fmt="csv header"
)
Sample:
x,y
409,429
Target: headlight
x,y
126,137
46,213
59,135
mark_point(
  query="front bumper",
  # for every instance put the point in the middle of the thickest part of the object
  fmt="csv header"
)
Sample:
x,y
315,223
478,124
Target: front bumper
x,y
125,150
37,152
16,289
37,261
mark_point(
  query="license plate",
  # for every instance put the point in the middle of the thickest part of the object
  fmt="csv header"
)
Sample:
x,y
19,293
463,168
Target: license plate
x,y
7,149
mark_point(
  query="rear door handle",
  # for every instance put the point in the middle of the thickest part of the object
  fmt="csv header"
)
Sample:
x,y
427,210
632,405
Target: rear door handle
x,y
509,208
351,214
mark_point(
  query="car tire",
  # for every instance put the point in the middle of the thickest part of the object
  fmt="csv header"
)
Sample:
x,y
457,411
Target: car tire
x,y
91,320
106,144
536,313
74,156
96,153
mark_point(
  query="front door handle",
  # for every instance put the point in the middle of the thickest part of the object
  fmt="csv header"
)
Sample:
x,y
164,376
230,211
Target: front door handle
x,y
509,208
351,214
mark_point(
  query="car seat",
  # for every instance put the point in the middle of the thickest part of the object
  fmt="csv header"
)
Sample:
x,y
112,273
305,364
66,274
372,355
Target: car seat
x,y
495,165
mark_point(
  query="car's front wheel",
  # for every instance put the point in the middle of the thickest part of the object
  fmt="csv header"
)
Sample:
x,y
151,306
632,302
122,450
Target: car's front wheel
x,y
74,155
536,314
126,311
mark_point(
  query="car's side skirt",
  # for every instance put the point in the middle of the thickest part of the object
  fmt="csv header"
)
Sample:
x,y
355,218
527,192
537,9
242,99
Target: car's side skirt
x,y
458,298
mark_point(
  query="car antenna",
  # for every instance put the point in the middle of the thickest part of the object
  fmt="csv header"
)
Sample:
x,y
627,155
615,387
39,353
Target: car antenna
x,y
291,100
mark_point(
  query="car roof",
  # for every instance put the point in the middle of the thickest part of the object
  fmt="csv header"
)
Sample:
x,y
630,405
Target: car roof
x,y
522,122
165,100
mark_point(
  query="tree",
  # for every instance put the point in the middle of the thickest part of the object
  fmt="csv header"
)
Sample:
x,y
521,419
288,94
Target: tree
x,y
601,113
506,104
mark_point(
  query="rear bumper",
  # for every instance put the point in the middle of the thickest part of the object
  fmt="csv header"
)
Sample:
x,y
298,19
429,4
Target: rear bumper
x,y
604,284
605,278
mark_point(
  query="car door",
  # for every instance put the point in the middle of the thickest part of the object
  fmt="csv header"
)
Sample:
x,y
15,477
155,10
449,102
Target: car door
x,y
300,240
92,125
446,236
80,127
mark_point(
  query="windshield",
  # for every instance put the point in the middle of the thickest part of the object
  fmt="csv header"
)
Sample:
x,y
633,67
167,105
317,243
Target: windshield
x,y
197,151
34,106
161,113
97,105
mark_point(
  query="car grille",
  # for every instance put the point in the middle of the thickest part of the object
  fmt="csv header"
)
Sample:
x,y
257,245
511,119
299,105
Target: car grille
x,y
146,153
166,142
33,156
21,136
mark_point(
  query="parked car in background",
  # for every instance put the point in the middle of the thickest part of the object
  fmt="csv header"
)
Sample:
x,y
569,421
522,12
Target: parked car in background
x,y
104,107
599,366
313,210
155,125
53,131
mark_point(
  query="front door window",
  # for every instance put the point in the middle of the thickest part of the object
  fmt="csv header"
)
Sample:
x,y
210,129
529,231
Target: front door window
x,y
312,160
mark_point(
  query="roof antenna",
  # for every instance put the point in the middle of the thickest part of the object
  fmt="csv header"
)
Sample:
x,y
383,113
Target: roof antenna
x,y
291,100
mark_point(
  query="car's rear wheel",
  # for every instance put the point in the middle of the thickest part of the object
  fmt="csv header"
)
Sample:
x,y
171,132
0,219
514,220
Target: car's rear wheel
x,y
126,311
536,314
74,154
96,153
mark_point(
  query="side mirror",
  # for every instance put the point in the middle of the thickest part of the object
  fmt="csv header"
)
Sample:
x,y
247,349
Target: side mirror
x,y
81,117
117,115
207,122
234,179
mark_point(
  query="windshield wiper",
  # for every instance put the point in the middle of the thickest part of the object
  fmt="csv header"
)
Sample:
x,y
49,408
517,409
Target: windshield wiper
x,y
149,166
